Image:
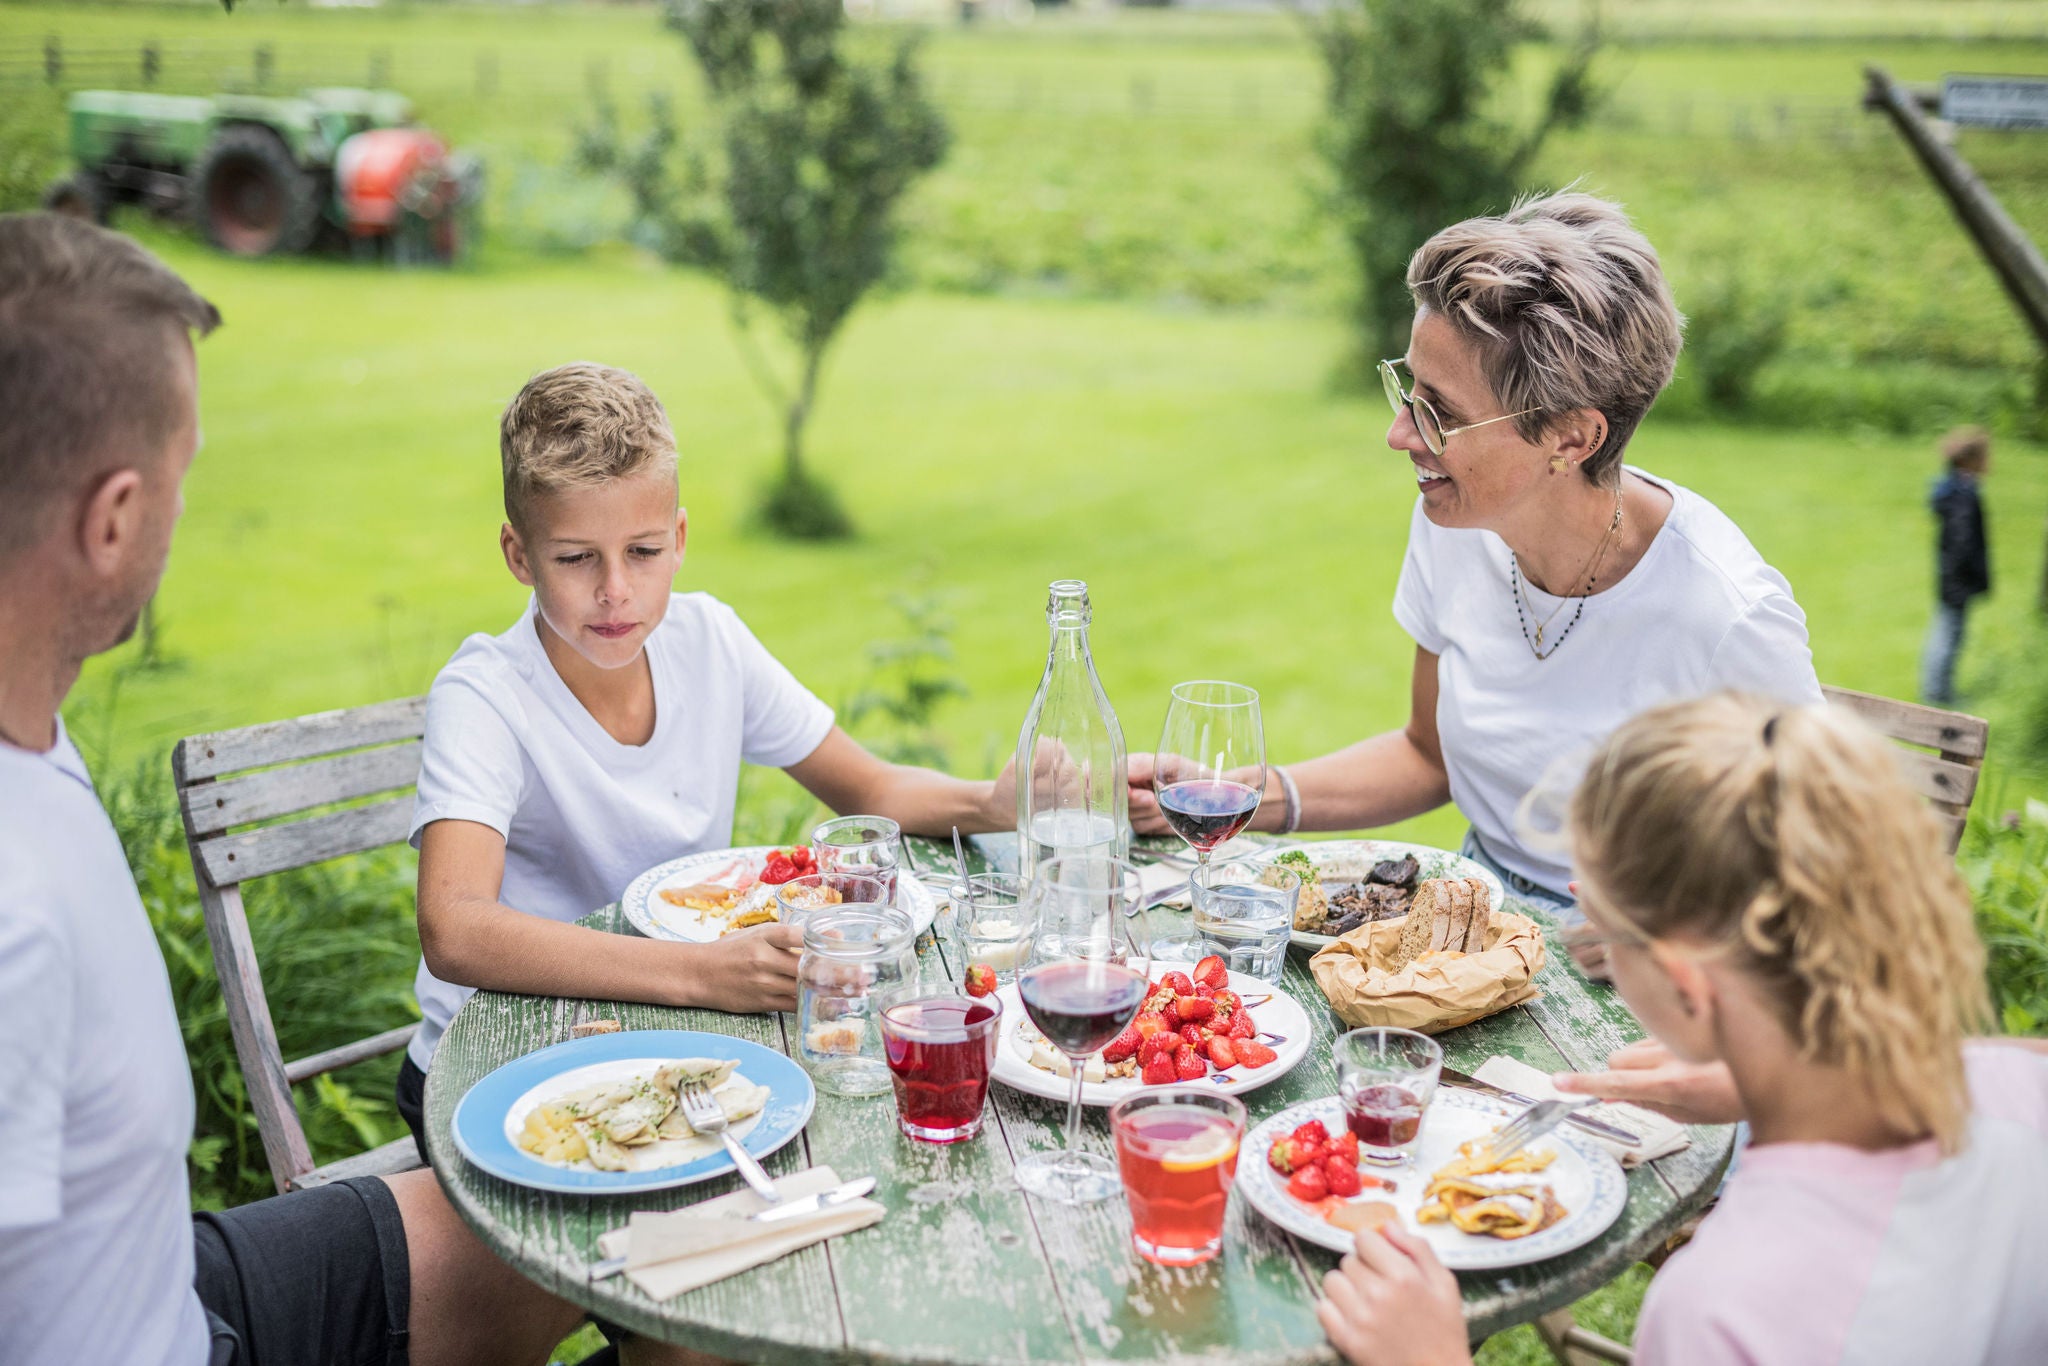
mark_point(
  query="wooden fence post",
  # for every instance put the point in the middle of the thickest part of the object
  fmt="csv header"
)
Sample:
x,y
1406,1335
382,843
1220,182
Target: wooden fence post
x,y
53,60
152,63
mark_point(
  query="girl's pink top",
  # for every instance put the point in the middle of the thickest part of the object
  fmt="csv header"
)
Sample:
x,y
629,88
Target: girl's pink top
x,y
1820,1253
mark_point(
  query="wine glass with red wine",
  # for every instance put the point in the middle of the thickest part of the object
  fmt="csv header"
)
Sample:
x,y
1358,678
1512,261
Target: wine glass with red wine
x,y
1208,774
1086,977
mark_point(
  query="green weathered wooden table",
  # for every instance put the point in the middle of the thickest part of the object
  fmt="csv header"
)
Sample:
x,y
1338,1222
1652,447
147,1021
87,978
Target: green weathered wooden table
x,y
965,1267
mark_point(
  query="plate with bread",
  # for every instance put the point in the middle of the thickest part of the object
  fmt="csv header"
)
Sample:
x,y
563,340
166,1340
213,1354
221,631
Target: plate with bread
x,y
1349,883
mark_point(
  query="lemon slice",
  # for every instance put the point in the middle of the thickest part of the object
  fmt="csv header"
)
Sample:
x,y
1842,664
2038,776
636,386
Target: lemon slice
x,y
1192,1155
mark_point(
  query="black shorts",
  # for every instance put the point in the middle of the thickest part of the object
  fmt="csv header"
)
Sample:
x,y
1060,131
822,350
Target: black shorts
x,y
316,1276
411,1100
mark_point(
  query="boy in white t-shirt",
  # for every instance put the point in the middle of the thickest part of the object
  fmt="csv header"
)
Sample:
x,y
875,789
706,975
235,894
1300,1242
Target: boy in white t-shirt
x,y
603,733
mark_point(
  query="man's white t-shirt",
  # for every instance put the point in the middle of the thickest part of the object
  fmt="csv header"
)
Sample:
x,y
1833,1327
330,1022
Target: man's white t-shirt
x,y
95,1095
1700,612
509,746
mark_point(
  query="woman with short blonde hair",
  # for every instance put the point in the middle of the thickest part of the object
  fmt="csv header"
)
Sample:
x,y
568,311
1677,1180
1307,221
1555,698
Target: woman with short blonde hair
x,y
1781,913
1552,590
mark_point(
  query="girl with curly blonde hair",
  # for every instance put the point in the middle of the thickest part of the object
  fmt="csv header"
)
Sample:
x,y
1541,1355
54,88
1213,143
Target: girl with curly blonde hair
x,y
1780,912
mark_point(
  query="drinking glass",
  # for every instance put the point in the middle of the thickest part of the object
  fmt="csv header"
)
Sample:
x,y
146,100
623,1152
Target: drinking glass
x,y
1244,914
940,1050
858,960
1085,979
1386,1078
993,920
1177,1150
1208,773
797,898
862,844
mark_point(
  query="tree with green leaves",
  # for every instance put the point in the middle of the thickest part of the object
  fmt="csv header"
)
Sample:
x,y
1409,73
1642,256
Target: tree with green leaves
x,y
1416,138
795,208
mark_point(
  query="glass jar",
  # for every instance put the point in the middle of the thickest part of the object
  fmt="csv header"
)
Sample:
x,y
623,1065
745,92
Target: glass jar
x,y
858,960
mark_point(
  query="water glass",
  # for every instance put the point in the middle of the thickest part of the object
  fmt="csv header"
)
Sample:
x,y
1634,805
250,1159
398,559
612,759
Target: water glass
x,y
1244,914
1176,1148
858,960
940,1050
1386,1078
860,844
797,898
993,920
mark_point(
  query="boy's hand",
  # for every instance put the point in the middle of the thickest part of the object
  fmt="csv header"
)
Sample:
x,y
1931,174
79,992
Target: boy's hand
x,y
751,970
1647,1074
1390,1302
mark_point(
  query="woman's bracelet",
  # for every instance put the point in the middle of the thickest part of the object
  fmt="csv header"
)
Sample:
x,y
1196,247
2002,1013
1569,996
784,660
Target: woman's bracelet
x,y
1291,796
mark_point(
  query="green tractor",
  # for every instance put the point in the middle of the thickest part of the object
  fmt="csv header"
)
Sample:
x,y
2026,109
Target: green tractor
x,y
260,175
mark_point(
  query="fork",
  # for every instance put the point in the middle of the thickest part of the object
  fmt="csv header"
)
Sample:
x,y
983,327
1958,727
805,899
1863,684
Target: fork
x,y
1532,1124
707,1116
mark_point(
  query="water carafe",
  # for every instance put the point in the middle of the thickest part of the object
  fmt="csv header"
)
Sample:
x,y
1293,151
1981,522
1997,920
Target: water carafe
x,y
1072,796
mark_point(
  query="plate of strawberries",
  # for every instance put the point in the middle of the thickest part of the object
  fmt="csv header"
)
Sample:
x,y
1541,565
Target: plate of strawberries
x,y
1208,1026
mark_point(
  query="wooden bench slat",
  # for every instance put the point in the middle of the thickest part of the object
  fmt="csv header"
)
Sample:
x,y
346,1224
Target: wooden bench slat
x,y
227,859
302,737
1940,781
213,807
1951,732
348,1054
399,1155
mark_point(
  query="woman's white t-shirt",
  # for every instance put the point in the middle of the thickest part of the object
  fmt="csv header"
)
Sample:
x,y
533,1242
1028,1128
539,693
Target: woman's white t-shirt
x,y
509,746
1700,612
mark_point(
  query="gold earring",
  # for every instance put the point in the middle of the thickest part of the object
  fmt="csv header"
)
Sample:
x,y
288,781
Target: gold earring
x,y
1558,464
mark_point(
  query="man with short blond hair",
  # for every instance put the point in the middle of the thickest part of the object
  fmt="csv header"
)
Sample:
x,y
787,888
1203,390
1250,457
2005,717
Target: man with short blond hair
x,y
101,1258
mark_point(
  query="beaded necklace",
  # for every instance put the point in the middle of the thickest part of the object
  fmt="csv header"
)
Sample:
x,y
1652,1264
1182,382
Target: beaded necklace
x,y
1592,576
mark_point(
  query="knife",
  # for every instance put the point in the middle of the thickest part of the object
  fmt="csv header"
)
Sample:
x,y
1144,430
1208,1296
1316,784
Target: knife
x,y
1586,1122
789,1209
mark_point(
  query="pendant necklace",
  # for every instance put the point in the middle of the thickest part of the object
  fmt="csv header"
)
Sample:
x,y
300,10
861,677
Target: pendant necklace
x,y
1591,574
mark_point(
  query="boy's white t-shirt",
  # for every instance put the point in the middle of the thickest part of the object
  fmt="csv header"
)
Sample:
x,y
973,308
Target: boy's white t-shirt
x,y
509,746
1700,612
95,1093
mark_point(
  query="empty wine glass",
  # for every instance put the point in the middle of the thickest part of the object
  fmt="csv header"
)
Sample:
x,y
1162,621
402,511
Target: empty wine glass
x,y
1084,981
1208,773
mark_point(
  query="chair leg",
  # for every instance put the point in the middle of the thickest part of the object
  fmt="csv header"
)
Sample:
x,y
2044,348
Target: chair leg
x,y
1571,1345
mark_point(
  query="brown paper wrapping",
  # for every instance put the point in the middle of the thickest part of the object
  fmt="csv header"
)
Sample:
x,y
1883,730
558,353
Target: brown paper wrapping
x,y
1434,996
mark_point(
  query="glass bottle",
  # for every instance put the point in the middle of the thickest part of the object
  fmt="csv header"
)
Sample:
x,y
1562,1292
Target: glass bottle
x,y
1072,796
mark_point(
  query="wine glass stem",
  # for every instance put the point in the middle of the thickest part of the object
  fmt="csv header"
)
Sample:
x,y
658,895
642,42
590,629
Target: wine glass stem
x,y
1074,1106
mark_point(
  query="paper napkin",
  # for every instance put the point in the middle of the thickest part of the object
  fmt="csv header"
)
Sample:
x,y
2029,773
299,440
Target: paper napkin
x,y
1660,1137
671,1251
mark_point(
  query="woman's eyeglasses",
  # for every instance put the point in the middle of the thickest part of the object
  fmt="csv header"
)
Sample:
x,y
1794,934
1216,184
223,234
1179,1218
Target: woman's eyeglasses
x,y
1434,434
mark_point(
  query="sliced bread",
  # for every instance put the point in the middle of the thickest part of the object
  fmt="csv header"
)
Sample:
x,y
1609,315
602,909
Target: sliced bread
x,y
1419,928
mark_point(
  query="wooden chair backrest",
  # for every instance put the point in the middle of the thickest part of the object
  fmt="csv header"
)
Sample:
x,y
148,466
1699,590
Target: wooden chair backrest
x,y
234,788
1946,777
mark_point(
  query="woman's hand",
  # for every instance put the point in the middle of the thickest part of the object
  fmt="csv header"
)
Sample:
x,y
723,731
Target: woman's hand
x,y
749,970
1145,817
1390,1302
1647,1074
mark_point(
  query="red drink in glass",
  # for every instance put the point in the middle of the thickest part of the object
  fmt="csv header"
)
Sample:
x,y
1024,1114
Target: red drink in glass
x,y
940,1050
1176,1150
1384,1116
1386,1078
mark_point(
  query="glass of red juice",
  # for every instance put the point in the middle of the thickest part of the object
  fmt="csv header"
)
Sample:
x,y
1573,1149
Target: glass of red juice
x,y
940,1049
1386,1078
1176,1149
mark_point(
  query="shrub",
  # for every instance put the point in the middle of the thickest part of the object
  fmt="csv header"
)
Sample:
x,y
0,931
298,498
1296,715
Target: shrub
x,y
1733,330
2006,865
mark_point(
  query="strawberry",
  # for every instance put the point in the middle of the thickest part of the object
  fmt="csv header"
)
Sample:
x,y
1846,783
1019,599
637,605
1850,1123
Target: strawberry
x,y
980,979
1159,1071
1180,982
1345,1144
1195,1009
1157,1002
1123,1045
1241,1026
1194,1036
1309,1184
1279,1157
1220,1054
1158,1046
1204,990
1171,1014
1301,1153
1213,971
1227,1001
1190,1065
1341,1177
1150,1022
1252,1053
1313,1132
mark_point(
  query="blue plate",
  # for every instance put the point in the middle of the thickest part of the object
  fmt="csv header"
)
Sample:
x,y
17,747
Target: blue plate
x,y
480,1117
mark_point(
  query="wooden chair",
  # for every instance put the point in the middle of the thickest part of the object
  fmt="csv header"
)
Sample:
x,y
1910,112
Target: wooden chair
x,y
1947,778
236,789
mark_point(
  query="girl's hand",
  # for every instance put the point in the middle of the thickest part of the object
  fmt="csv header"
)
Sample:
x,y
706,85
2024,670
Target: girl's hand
x,y
1647,1074
1390,1302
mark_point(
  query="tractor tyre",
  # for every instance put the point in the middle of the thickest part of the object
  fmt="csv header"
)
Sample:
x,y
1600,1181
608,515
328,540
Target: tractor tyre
x,y
83,195
250,198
